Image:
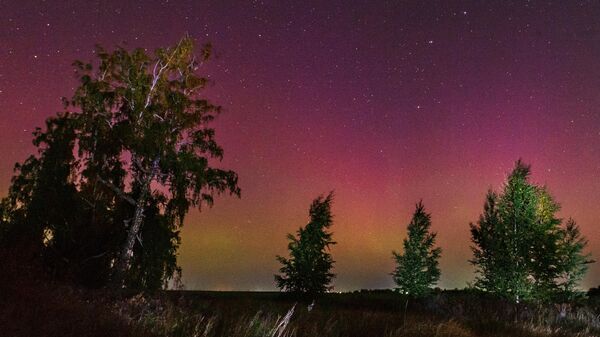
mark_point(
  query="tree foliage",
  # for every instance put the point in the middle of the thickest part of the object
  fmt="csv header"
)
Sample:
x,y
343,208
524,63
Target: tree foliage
x,y
117,172
417,267
308,270
521,249
573,260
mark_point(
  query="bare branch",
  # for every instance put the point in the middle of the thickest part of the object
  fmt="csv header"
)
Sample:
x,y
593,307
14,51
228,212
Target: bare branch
x,y
118,191
156,75
94,257
87,201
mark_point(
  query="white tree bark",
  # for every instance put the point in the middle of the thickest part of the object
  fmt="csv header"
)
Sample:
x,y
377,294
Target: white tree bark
x,y
124,263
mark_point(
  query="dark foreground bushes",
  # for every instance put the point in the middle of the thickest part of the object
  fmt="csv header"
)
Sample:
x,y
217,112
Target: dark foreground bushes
x,y
32,304
452,313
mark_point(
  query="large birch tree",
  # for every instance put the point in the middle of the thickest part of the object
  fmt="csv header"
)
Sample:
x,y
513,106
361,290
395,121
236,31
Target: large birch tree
x,y
134,146
150,110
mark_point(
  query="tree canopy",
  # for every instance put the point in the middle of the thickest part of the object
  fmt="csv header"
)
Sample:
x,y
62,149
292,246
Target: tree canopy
x,y
117,172
417,267
308,269
521,249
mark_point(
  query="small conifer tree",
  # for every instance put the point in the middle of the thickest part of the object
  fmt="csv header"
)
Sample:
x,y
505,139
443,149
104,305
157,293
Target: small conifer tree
x,y
308,269
417,268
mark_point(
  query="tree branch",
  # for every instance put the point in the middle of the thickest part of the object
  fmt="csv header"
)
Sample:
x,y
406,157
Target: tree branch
x,y
118,191
156,75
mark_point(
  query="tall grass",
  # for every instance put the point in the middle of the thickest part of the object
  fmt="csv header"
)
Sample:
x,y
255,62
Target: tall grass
x,y
271,315
33,305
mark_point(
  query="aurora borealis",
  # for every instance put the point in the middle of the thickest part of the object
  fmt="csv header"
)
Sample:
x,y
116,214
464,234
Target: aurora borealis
x,y
383,102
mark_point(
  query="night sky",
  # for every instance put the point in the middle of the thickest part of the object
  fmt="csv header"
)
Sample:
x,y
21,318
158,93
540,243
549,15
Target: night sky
x,y
384,102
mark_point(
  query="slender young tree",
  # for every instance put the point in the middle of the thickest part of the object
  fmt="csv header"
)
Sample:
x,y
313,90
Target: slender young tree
x,y
489,248
544,261
517,209
417,268
308,269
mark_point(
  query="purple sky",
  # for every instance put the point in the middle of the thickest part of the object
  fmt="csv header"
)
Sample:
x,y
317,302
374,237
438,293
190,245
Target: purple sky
x,y
385,102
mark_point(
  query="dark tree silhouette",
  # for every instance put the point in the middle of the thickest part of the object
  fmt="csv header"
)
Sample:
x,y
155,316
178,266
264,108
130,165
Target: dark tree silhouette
x,y
417,268
308,270
137,148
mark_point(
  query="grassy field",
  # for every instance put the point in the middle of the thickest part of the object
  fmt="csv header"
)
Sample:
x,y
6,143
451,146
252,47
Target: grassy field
x,y
32,305
375,313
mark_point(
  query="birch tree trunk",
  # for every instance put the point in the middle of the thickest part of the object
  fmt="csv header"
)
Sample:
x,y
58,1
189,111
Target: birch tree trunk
x,y
124,262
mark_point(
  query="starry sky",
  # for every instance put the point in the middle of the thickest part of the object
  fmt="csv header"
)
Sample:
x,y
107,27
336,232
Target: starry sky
x,y
385,102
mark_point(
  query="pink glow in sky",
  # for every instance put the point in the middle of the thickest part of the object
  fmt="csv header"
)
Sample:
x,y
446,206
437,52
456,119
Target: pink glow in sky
x,y
385,103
